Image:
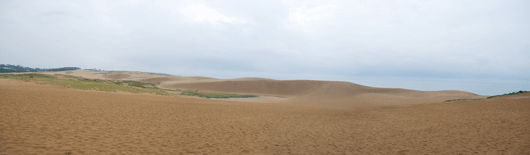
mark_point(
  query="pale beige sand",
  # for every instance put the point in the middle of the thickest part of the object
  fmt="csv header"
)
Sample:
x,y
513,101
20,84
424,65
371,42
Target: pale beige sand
x,y
333,94
134,75
329,93
46,119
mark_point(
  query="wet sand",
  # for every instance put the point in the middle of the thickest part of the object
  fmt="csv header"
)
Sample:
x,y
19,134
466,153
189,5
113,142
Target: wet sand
x,y
47,119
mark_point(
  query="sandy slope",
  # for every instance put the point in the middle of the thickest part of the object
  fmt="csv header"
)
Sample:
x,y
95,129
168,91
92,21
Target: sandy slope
x,y
308,92
133,75
41,119
327,93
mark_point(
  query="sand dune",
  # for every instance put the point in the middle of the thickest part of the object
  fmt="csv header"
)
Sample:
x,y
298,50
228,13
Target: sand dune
x,y
131,75
120,76
334,94
47,119
326,93
303,88
269,87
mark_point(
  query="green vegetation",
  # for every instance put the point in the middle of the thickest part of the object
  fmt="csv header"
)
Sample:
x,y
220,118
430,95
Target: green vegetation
x,y
69,76
176,90
214,95
7,68
464,99
134,83
512,93
112,86
87,84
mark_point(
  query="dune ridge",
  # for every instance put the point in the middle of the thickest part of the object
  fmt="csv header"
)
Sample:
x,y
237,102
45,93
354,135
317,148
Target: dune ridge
x,y
337,94
327,93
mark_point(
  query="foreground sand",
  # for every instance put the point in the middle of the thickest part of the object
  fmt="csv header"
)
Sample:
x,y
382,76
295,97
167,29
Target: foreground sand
x,y
42,119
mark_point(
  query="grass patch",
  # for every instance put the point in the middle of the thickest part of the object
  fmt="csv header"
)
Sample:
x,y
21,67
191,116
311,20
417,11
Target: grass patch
x,y
134,83
69,76
176,90
512,93
464,99
112,86
214,95
88,84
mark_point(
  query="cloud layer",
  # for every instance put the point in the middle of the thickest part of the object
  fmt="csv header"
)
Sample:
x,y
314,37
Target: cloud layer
x,y
294,39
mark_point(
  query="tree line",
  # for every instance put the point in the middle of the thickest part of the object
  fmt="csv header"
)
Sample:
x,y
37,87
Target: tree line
x,y
7,68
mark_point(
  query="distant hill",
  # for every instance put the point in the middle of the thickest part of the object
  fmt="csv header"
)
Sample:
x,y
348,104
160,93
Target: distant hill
x,y
7,68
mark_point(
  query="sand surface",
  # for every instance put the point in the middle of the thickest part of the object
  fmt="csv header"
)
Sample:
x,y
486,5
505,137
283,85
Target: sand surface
x,y
332,94
47,119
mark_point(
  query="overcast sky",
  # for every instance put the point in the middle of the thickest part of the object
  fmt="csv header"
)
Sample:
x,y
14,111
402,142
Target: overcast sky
x,y
481,46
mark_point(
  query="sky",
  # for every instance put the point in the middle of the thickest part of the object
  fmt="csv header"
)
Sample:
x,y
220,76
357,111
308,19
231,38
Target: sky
x,y
480,46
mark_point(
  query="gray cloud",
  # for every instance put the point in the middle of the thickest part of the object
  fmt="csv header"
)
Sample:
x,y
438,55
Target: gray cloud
x,y
331,40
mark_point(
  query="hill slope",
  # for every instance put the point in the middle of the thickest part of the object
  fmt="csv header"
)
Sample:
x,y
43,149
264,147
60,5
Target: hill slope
x,y
328,93
322,93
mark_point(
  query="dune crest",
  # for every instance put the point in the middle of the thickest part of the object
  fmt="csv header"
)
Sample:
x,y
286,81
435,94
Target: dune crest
x,y
337,94
327,93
